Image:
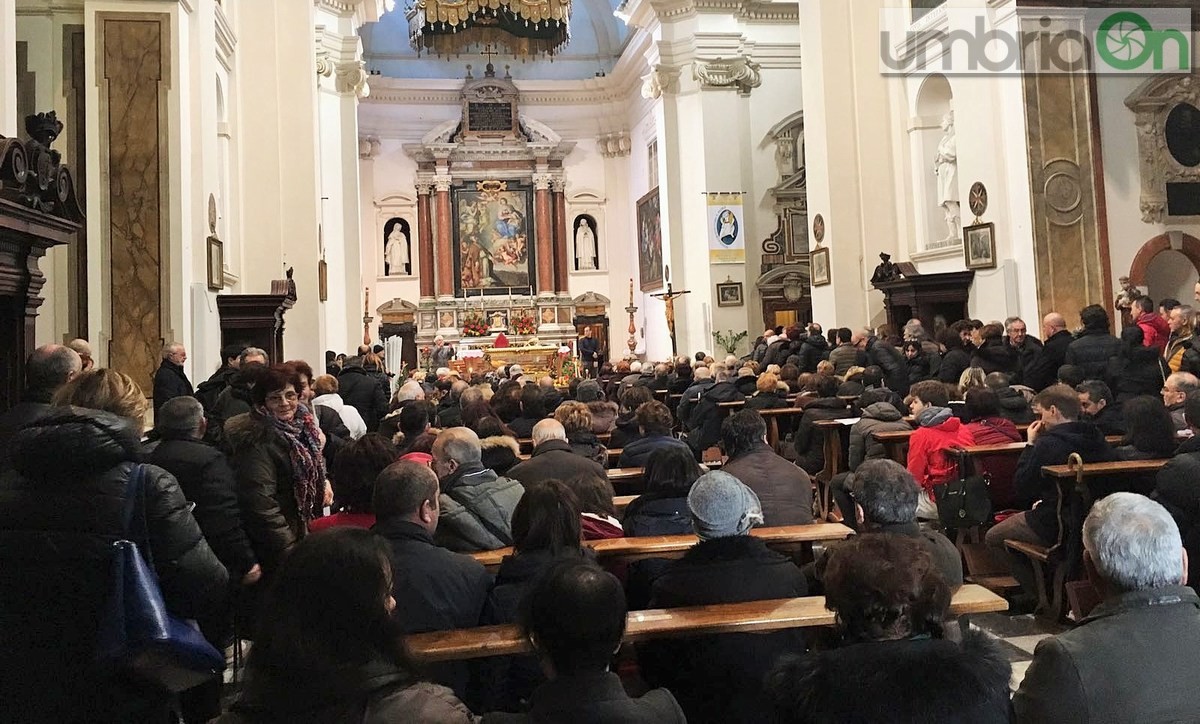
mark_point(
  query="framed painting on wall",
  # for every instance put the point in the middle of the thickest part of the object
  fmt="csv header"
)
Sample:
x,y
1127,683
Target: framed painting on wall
x,y
819,259
494,243
729,294
216,264
979,249
650,253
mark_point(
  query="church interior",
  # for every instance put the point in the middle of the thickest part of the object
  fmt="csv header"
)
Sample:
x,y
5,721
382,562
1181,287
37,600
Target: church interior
x,y
668,178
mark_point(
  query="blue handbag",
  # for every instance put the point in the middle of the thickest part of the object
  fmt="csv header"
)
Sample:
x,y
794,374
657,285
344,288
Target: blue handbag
x,y
137,635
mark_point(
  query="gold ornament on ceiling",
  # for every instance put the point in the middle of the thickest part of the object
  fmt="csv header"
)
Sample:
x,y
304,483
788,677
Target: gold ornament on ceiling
x,y
522,28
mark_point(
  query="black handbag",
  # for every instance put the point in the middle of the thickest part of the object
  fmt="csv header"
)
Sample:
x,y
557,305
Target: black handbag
x,y
137,635
965,502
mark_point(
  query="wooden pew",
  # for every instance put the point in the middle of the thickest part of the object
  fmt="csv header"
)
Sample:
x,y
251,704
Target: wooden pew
x,y
749,617
772,417
834,441
621,502
788,537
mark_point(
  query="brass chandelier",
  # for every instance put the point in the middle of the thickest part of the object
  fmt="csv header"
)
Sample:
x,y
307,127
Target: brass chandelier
x,y
522,28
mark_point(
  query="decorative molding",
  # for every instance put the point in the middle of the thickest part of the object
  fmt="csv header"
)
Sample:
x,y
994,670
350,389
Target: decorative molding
x,y
1152,102
741,73
226,39
324,63
614,145
542,181
661,80
350,77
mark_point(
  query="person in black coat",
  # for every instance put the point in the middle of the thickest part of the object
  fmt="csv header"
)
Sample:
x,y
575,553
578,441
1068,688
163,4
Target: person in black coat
x,y
681,379
957,358
719,678
813,349
662,509
1098,407
919,367
1042,370
575,617
1137,370
654,428
436,589
552,458
994,354
208,390
362,391
891,361
170,380
703,423
893,663
1011,403
1093,347
1176,489
808,440
60,513
49,367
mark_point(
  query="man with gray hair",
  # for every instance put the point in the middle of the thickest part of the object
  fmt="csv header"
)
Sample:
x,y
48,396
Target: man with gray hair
x,y
1134,657
1175,390
476,504
728,565
49,367
170,380
449,409
1026,346
552,457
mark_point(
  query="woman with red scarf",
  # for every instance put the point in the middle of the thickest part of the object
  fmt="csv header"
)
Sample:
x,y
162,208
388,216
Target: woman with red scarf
x,y
275,450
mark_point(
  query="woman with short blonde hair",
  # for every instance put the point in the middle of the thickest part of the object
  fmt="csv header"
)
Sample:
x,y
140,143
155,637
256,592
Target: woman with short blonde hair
x,y
106,389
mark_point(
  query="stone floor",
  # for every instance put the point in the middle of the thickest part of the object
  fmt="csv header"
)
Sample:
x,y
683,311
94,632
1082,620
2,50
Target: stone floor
x,y
1017,635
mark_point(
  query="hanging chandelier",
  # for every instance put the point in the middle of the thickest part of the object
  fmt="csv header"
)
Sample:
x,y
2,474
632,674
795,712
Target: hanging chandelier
x,y
522,28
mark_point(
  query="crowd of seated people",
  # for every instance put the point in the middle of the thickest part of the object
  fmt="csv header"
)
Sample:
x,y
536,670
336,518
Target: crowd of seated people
x,y
272,482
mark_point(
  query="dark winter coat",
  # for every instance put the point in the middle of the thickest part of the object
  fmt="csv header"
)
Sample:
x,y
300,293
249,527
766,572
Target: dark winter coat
x,y
704,422
719,678
476,509
1013,406
553,459
209,390
746,384
891,361
1137,371
919,368
657,514
1133,659
1091,352
593,699
1177,489
784,490
61,509
996,356
35,405
449,413
813,349
1110,420
933,681
637,453
266,483
337,435
586,444
776,400
876,417
777,352
362,391
625,430
209,485
1042,371
170,381
1027,354
810,441
954,363
500,453
1053,447
683,411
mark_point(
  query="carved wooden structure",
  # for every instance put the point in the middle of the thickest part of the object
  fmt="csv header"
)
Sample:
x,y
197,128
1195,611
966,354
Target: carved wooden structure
x,y
256,320
926,296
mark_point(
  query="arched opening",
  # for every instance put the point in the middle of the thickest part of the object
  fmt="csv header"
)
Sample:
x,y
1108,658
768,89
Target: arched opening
x,y
1160,268
934,101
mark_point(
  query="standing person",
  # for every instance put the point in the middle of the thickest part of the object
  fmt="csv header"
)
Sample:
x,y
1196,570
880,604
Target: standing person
x,y
355,668
1026,346
276,454
83,348
994,354
1138,369
1094,345
1181,321
325,389
958,352
60,512
170,380
441,353
208,390
362,391
845,355
1133,658
1155,330
49,367
589,352
1042,371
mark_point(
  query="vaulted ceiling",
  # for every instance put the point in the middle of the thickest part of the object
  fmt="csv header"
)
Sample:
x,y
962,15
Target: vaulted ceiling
x,y
597,39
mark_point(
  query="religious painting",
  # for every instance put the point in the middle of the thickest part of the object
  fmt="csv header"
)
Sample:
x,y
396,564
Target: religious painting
x,y
493,240
216,264
650,261
979,251
397,248
819,261
729,294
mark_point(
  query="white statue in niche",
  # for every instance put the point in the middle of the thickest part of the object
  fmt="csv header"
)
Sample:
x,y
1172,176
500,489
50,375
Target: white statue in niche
x,y
395,248
945,166
585,245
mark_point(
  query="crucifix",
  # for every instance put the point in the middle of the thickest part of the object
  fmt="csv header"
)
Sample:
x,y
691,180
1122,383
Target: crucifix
x,y
669,298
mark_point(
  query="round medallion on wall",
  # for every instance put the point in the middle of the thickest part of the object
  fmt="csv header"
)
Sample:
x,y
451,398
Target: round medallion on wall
x,y
819,228
212,214
978,200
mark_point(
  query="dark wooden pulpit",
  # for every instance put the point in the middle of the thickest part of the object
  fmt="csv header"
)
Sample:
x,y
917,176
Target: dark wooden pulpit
x,y
926,296
256,320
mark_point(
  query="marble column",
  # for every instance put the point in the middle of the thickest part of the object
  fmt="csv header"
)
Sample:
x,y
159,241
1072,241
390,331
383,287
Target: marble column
x,y
563,252
425,240
444,261
545,233
8,68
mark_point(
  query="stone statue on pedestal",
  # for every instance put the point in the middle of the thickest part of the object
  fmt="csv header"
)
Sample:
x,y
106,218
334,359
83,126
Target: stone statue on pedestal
x,y
945,167
585,245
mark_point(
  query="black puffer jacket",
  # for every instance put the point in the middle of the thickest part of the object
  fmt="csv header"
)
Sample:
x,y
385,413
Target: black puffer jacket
x,y
362,391
954,363
892,362
704,423
1013,406
813,349
1091,352
809,441
1176,489
996,356
60,512
1137,370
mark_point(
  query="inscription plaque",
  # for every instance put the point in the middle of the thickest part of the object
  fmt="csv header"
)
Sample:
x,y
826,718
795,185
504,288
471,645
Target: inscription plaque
x,y
484,117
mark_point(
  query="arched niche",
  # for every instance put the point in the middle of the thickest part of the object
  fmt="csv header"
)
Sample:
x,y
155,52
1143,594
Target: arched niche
x,y
1148,260
933,100
387,208
397,247
588,204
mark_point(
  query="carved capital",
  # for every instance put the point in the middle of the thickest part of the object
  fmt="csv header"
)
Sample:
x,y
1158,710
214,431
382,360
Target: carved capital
x,y
740,73
662,79
324,63
614,145
542,181
442,183
558,185
351,77
368,147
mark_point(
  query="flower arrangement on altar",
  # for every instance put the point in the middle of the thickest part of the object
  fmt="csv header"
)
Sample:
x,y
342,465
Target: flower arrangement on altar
x,y
524,324
474,326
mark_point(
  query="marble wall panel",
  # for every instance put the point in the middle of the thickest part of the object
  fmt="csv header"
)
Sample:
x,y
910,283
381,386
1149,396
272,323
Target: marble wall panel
x,y
133,71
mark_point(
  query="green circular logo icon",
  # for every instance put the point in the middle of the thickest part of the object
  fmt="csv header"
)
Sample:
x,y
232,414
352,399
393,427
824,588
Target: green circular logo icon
x,y
1125,40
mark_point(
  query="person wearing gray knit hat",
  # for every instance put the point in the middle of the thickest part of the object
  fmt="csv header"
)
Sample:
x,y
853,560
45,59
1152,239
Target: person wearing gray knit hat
x,y
722,506
588,391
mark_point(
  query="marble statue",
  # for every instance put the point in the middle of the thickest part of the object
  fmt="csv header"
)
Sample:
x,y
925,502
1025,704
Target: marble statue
x,y
945,166
585,245
395,250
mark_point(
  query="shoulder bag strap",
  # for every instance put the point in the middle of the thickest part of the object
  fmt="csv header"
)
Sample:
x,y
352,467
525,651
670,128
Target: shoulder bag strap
x,y
134,519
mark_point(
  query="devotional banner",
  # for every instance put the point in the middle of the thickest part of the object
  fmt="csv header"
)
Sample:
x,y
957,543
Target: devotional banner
x,y
726,239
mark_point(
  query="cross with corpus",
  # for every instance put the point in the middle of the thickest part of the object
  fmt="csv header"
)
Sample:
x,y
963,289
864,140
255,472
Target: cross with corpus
x,y
669,298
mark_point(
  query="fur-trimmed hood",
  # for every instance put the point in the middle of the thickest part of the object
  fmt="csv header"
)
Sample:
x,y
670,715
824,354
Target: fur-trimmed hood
x,y
500,441
500,453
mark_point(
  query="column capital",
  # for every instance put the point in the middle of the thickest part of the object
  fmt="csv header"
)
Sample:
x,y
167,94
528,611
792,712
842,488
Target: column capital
x,y
542,181
558,184
741,73
442,182
368,147
662,79
424,186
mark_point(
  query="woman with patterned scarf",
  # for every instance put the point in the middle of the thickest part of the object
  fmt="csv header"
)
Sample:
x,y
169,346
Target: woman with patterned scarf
x,y
275,451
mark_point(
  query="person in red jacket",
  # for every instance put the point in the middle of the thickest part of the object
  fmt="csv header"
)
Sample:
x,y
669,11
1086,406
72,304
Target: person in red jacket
x,y
939,430
1155,330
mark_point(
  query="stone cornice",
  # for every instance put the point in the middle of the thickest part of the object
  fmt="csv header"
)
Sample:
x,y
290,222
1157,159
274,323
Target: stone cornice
x,y
226,40
363,11
644,13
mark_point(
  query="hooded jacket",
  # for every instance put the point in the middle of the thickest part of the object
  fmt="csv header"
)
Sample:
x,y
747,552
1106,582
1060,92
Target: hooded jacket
x,y
1052,447
477,506
929,459
61,509
1091,351
876,417
1155,331
500,453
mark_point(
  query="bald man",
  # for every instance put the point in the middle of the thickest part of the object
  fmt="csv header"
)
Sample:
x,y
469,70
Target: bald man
x,y
49,367
1042,371
552,457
